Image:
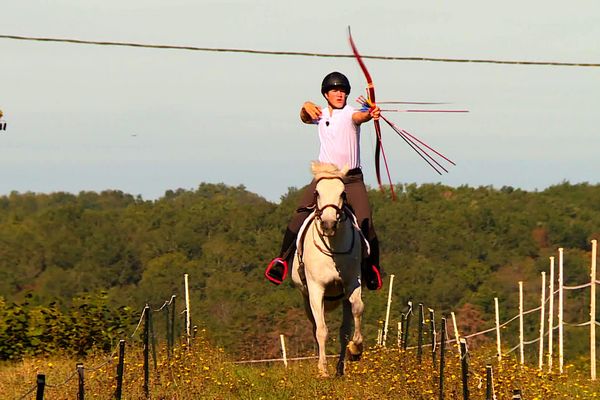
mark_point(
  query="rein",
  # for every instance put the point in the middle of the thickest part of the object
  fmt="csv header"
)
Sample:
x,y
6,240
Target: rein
x,y
328,250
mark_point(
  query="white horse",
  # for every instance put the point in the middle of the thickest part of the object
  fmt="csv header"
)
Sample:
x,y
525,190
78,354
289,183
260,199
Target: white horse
x,y
327,265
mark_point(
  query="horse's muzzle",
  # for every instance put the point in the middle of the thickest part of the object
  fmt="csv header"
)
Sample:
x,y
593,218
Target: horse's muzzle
x,y
329,227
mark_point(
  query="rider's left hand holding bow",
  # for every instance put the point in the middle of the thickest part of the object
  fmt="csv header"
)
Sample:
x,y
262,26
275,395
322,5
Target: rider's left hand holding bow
x,y
375,112
366,114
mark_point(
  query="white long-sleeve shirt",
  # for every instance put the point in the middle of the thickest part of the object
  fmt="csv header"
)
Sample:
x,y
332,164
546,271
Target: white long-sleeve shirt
x,y
339,137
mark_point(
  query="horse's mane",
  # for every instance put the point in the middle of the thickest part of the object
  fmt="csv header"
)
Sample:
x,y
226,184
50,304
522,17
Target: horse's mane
x,y
326,170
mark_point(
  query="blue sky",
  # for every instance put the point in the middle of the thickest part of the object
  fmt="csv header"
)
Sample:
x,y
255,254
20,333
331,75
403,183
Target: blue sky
x,y
145,121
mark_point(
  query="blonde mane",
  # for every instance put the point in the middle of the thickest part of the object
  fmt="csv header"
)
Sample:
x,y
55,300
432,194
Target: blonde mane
x,y
326,170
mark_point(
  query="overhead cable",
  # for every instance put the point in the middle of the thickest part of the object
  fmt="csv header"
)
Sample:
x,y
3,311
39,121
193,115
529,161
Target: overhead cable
x,y
296,53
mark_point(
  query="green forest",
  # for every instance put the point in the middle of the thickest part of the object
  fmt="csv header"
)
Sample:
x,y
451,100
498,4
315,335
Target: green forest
x,y
96,259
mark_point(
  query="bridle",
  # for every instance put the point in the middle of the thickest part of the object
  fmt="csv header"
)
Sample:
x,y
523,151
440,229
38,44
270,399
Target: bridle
x,y
339,210
341,215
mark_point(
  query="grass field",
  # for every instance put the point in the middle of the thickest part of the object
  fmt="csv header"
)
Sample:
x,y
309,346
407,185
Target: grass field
x,y
205,372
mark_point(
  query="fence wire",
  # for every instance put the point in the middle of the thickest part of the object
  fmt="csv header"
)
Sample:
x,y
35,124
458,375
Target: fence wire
x,y
165,304
140,321
63,383
107,361
28,393
578,287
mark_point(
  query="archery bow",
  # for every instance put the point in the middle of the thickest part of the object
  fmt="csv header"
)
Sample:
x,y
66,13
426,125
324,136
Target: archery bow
x,y
371,94
407,137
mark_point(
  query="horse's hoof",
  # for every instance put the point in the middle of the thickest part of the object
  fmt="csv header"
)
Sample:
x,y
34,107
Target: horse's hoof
x,y
339,370
354,351
323,374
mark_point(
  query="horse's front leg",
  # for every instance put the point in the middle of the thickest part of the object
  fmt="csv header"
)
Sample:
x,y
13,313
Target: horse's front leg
x,y
318,312
345,330
355,347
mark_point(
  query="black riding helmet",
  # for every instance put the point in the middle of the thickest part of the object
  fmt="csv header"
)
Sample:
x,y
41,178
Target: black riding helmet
x,y
335,80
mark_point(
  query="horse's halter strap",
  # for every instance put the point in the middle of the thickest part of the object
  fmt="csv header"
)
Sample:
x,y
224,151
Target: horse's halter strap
x,y
338,210
341,213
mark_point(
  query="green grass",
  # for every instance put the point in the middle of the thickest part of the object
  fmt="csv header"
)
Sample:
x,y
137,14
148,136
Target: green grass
x,y
205,372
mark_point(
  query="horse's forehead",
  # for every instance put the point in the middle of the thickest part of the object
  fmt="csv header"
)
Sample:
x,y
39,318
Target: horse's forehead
x,y
330,187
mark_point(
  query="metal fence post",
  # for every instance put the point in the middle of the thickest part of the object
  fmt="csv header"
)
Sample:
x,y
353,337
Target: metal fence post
x,y
41,384
401,332
120,370
153,342
81,390
147,352
442,357
489,384
172,342
168,331
464,362
408,314
420,337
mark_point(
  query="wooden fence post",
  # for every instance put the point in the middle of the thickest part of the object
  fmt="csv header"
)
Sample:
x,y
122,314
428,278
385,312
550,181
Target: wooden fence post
x,y
498,343
561,283
593,311
283,351
521,327
433,335
542,320
456,334
420,337
387,313
187,311
551,314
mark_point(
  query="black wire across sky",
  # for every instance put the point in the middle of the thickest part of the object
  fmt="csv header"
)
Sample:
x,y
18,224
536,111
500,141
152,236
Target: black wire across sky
x,y
295,53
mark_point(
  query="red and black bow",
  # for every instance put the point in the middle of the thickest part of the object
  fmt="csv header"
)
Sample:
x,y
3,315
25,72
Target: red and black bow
x,y
411,140
371,93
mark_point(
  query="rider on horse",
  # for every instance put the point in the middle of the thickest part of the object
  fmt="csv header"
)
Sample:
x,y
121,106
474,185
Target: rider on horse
x,y
339,135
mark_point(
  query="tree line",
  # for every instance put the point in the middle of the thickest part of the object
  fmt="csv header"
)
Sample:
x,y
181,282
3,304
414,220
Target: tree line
x,y
450,248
